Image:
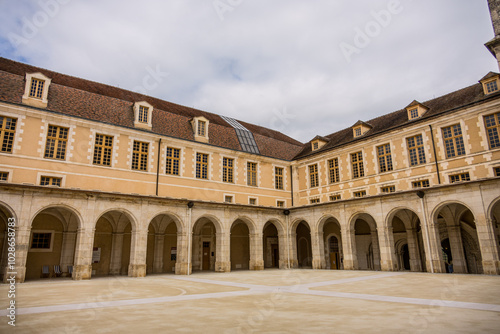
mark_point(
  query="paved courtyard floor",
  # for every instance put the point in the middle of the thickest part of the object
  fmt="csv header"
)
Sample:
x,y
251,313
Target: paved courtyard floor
x,y
270,301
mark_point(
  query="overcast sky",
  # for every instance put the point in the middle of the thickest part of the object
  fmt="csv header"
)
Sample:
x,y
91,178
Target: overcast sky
x,y
305,68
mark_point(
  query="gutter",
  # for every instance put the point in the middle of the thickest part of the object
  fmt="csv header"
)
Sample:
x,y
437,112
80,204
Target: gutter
x,y
435,155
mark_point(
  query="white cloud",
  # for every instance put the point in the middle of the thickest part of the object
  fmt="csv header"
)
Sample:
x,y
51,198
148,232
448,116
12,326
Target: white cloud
x,y
263,56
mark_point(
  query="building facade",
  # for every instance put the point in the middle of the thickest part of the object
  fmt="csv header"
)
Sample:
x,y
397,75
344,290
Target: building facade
x,y
96,180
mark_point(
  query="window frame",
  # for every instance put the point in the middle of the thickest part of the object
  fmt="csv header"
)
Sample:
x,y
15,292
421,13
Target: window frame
x,y
103,149
313,176
7,133
252,174
52,181
419,150
453,143
172,162
385,163
358,169
459,177
279,178
201,170
417,184
227,170
333,170
138,156
495,130
57,140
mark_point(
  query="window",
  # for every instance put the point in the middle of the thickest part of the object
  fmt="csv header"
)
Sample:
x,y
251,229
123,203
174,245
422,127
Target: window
x,y
333,168
496,171
416,150
280,204
50,181
228,198
55,147
359,194
103,149
140,156
201,128
313,175
41,240
420,184
227,170
315,200
252,201
278,178
357,132
357,165
388,189
335,197
252,174
384,158
413,113
459,177
36,88
173,161
315,146
143,114
7,132
491,86
453,141
492,123
4,176
202,166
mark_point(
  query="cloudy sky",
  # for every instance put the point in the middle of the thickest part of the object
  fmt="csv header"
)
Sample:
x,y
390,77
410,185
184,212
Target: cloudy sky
x,y
301,67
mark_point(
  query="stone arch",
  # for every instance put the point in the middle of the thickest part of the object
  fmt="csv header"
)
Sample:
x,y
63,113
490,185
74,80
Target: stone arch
x,y
206,242
239,247
362,228
252,227
6,213
435,212
52,241
274,244
302,243
329,226
162,251
113,242
493,218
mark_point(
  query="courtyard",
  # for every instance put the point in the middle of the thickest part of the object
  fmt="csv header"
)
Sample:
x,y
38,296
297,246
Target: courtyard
x,y
270,301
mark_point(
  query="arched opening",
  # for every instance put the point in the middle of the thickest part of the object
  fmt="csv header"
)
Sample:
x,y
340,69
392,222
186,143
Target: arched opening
x,y
459,240
52,243
304,249
332,241
162,251
4,219
408,240
204,245
495,220
112,244
240,246
271,246
366,244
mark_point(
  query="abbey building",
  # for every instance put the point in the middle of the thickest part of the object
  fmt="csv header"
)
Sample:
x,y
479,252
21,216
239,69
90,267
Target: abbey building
x,y
103,181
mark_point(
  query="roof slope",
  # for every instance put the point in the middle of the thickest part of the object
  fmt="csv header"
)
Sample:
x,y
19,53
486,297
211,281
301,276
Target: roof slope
x,y
99,102
436,106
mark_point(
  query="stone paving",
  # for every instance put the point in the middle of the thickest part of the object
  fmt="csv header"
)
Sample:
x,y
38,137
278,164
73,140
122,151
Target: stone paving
x,y
270,301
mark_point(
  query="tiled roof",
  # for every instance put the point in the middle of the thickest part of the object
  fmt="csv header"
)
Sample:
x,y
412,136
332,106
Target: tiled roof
x,y
99,102
399,118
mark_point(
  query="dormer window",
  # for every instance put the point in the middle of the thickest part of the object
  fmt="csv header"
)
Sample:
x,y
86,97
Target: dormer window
x,y
490,83
318,142
416,110
143,115
36,90
360,128
200,128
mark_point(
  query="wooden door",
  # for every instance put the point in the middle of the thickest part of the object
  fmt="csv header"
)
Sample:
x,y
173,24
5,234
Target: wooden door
x,y
334,260
206,255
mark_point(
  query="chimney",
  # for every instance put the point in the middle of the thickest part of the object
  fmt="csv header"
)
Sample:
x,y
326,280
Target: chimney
x,y
494,44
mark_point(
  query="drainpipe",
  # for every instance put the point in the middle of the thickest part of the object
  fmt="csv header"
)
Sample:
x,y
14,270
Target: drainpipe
x,y
287,219
189,235
435,155
291,182
158,167
421,195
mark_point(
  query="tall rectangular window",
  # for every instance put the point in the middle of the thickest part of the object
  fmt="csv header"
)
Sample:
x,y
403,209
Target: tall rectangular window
x,y
228,170
278,177
102,150
416,150
202,128
453,141
36,88
7,132
252,174
492,123
202,166
143,114
357,165
173,161
384,158
333,169
140,156
313,175
57,137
